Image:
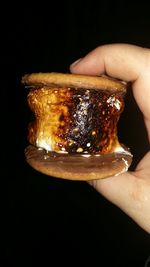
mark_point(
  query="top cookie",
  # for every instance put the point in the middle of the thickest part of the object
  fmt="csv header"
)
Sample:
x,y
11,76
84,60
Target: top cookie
x,y
54,79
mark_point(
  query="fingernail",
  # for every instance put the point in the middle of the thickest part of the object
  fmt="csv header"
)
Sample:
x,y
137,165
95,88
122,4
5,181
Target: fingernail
x,y
75,63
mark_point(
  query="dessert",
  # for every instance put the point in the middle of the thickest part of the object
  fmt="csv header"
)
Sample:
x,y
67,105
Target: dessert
x,y
74,132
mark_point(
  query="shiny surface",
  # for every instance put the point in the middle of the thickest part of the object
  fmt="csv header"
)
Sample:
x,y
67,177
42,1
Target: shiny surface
x,y
71,120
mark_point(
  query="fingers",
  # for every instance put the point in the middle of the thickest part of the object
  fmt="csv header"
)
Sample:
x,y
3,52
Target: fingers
x,y
125,62
130,193
121,61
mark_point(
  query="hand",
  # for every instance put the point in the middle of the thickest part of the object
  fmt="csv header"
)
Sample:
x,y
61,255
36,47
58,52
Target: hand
x,y
130,191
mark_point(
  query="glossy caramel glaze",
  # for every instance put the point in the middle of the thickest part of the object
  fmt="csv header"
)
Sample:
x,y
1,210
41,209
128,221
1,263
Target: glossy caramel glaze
x,y
73,120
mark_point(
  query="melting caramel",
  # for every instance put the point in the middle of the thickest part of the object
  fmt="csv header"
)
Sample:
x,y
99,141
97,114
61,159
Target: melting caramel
x,y
75,120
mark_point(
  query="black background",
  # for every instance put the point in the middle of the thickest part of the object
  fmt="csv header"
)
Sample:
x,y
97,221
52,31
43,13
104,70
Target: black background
x,y
50,221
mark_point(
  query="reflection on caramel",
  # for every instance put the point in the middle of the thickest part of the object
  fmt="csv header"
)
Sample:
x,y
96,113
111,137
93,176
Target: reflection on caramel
x,y
75,120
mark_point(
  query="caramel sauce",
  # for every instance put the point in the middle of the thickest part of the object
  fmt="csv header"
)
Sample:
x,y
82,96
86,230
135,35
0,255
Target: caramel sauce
x,y
75,120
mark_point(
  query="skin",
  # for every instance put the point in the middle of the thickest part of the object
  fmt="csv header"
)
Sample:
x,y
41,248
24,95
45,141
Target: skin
x,y
129,191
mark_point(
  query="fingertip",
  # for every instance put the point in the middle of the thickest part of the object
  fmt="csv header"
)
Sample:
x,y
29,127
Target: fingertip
x,y
74,64
84,66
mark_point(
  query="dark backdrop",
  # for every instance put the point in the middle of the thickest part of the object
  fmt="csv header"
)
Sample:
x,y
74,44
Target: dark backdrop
x,y
50,221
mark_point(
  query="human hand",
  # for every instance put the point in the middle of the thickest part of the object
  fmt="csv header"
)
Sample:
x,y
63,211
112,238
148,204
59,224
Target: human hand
x,y
130,191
